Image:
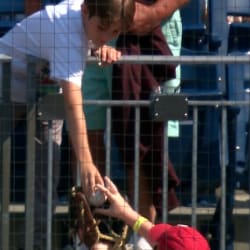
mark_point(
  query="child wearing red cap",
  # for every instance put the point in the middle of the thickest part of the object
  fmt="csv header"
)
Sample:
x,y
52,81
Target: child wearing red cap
x,y
164,236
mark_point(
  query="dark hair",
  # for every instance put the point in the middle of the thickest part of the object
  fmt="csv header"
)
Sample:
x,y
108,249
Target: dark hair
x,y
110,11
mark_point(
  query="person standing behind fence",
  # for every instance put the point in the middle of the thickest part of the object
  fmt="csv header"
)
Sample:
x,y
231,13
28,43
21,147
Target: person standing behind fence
x,y
100,79
62,35
138,82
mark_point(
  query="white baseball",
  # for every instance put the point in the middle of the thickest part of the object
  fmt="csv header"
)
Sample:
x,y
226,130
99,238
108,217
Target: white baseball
x,y
97,199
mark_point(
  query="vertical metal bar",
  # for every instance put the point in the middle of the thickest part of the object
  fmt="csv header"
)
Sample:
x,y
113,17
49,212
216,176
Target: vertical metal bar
x,y
5,77
30,154
5,149
78,174
108,140
223,180
136,163
49,187
137,158
248,160
194,166
248,154
165,175
5,178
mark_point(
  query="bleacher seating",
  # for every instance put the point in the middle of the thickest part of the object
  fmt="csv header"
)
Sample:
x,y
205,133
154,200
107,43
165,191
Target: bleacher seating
x,y
200,82
238,78
206,82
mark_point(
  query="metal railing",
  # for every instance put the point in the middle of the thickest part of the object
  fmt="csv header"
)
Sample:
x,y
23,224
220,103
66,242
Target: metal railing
x,y
31,116
5,125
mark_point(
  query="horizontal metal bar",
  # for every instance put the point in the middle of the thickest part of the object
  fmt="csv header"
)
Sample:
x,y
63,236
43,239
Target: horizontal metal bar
x,y
192,59
146,103
117,102
219,103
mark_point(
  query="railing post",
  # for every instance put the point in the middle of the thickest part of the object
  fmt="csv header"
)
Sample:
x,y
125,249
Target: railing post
x,y
165,175
194,166
49,188
108,141
223,180
137,157
30,155
5,149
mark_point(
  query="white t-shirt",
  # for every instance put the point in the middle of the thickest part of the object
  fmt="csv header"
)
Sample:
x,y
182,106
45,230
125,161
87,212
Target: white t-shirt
x,y
55,34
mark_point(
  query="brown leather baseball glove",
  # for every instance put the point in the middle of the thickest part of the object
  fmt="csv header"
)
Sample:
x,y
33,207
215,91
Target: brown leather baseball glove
x,y
92,229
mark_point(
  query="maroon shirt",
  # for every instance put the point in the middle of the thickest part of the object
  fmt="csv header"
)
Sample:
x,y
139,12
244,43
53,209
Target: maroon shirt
x,y
137,82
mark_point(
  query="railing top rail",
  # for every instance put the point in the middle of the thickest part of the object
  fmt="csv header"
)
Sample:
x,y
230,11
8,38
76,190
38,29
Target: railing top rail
x,y
157,59
216,103
193,59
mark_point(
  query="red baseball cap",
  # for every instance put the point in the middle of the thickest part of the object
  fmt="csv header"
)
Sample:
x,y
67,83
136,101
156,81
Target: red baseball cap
x,y
178,237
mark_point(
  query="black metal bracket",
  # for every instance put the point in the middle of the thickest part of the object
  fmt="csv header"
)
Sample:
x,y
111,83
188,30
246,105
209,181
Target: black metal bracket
x,y
166,107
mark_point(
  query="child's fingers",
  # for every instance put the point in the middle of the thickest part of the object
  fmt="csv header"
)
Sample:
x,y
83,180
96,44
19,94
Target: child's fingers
x,y
110,185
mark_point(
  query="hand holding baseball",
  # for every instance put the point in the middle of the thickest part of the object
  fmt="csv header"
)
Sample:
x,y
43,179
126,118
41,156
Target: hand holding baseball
x,y
97,199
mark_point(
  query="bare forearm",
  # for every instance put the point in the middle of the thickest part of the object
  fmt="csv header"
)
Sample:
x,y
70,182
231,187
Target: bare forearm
x,y
76,122
147,17
163,9
79,138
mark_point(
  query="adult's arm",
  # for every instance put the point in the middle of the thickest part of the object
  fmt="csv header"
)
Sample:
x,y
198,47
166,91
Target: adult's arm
x,y
78,133
147,17
76,122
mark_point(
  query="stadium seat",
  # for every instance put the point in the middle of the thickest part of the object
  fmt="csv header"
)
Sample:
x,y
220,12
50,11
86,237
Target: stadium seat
x,y
194,27
238,7
239,37
11,12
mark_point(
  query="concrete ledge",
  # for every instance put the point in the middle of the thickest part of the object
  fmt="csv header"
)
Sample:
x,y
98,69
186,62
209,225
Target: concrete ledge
x,y
242,207
206,211
20,209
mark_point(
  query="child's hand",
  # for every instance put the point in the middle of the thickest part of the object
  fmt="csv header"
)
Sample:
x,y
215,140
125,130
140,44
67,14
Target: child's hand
x,y
107,55
119,207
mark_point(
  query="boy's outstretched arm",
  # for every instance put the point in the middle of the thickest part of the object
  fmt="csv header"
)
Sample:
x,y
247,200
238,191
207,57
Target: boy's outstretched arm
x,y
120,208
76,123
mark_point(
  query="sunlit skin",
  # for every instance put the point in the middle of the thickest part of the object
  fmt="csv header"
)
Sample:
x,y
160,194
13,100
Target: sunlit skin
x,y
90,175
